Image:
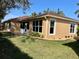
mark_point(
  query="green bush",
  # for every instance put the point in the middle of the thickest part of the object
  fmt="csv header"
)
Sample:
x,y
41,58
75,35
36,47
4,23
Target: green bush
x,y
23,40
27,38
30,37
36,34
77,38
78,31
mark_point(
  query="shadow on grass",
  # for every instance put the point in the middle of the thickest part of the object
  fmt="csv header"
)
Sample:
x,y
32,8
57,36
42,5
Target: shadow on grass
x,y
6,34
74,45
10,51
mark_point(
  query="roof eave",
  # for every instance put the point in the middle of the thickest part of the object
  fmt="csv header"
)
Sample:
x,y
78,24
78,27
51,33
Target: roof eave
x,y
64,18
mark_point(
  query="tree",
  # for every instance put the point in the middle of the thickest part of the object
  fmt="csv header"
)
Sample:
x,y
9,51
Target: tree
x,y
34,14
6,5
77,11
46,11
60,12
40,13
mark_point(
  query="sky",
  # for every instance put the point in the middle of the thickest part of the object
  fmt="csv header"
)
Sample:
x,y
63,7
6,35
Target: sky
x,y
67,6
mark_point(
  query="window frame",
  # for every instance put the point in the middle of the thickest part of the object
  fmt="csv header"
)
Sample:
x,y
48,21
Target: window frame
x,y
37,26
54,30
75,28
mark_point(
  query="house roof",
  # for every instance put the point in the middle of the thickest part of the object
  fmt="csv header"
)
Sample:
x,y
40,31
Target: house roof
x,y
22,18
54,15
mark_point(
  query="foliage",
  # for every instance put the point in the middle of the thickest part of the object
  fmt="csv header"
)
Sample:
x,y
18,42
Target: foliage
x,y
77,37
57,12
6,5
60,12
34,14
39,13
78,28
78,31
23,40
36,34
77,11
31,37
78,3
46,11
27,38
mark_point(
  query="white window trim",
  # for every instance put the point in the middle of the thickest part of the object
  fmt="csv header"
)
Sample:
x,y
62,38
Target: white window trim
x,y
54,26
75,29
37,26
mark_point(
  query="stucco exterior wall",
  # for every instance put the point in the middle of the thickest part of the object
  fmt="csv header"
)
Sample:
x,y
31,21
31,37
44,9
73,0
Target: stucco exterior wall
x,y
30,26
15,26
62,31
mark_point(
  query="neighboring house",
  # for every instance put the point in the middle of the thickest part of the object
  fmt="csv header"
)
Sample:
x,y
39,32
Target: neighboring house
x,y
52,26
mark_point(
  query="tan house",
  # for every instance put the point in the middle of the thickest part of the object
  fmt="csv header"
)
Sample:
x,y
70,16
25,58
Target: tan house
x,y
51,26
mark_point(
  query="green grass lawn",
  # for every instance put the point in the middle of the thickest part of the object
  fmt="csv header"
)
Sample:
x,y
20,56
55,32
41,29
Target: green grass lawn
x,y
43,49
22,47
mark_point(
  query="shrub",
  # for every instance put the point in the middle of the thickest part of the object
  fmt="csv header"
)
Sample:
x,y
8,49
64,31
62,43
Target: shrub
x,y
36,34
77,38
30,37
78,31
27,38
23,40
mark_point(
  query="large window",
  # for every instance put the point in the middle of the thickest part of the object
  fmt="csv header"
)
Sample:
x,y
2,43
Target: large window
x,y
22,25
72,28
37,25
52,26
27,25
